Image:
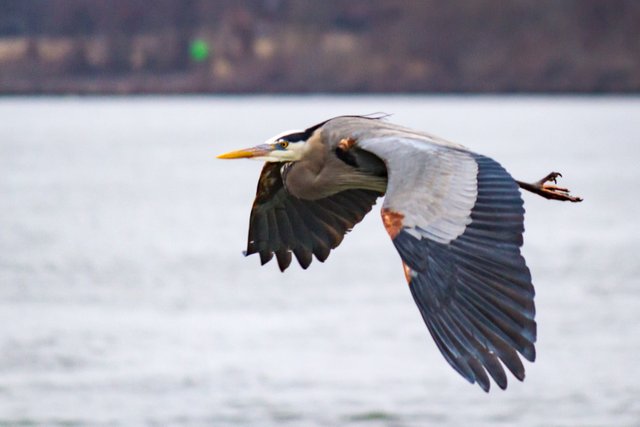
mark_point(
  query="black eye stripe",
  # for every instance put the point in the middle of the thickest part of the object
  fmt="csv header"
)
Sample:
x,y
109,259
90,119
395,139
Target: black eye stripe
x,y
294,137
306,134
303,135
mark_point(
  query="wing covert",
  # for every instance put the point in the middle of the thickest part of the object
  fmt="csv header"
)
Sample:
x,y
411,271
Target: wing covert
x,y
431,182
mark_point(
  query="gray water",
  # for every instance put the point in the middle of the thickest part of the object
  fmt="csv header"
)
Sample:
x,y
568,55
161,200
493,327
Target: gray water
x,y
125,299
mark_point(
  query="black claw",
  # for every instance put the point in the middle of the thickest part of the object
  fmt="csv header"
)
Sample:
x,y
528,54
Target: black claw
x,y
553,177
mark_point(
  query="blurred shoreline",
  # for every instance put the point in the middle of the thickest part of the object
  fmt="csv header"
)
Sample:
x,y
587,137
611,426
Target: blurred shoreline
x,y
281,46
616,96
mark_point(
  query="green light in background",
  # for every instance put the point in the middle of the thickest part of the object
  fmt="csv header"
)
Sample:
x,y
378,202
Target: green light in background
x,y
199,50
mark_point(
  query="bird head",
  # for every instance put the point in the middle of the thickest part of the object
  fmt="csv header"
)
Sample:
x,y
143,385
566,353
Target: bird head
x,y
285,147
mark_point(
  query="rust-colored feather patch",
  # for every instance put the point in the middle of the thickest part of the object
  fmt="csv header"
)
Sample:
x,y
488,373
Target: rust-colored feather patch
x,y
408,273
392,222
346,143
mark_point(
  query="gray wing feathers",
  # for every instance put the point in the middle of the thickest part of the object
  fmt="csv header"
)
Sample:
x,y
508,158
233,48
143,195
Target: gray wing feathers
x,y
475,293
432,182
456,219
434,187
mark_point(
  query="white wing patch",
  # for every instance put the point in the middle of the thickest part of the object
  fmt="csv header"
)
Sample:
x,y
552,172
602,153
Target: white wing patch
x,y
433,186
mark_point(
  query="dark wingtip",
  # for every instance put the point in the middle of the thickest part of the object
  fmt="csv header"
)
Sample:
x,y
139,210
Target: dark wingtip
x,y
303,255
502,384
283,257
265,257
520,374
484,385
321,252
529,353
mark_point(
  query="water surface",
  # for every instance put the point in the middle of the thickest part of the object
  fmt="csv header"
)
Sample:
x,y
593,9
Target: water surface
x,y
125,299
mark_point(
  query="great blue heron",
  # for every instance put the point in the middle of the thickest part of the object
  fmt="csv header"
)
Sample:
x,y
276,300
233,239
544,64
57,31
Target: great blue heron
x,y
454,216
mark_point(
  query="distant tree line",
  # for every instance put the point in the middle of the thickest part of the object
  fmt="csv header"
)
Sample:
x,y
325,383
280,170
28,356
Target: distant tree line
x,y
141,46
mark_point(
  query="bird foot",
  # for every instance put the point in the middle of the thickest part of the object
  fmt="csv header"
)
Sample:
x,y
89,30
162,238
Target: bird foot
x,y
549,191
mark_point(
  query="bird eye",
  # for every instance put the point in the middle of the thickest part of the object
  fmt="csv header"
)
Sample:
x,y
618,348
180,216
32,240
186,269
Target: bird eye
x,y
283,144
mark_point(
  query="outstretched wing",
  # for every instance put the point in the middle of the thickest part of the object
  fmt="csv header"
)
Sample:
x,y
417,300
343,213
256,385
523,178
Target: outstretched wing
x,y
456,218
281,223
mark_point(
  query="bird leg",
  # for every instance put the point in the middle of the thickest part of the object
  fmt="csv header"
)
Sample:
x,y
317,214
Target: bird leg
x,y
549,191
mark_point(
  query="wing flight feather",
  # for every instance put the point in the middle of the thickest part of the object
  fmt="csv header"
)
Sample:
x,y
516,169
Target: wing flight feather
x,y
456,219
282,224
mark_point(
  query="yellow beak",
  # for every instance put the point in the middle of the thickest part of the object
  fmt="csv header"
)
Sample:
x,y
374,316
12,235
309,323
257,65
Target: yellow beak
x,y
257,151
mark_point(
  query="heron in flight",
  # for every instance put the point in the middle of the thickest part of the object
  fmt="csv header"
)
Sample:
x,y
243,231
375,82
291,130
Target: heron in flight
x,y
454,216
